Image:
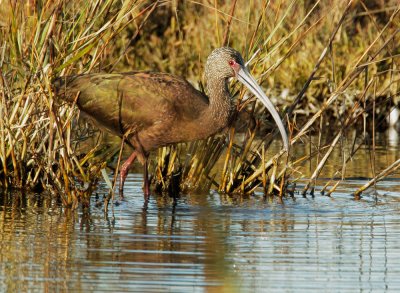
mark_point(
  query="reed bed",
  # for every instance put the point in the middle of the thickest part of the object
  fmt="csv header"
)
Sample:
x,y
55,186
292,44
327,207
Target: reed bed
x,y
349,76
39,41
330,66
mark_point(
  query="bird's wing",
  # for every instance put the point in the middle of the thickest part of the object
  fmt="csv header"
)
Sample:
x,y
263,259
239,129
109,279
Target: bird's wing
x,y
131,102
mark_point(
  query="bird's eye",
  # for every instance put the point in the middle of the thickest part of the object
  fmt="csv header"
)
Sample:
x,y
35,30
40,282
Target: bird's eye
x,y
231,62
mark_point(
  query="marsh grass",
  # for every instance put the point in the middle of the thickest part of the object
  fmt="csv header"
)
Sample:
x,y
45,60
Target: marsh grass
x,y
329,66
41,40
336,59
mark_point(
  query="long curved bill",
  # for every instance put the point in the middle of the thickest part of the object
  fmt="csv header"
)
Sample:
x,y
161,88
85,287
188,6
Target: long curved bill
x,y
245,77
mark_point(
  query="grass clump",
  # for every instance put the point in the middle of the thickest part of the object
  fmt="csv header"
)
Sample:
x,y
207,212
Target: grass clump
x,y
41,40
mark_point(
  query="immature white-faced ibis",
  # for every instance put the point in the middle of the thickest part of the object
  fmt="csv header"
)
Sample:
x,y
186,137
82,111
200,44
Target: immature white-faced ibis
x,y
157,109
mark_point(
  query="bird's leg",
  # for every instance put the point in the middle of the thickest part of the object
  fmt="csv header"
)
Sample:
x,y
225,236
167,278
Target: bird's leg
x,y
146,180
143,158
124,172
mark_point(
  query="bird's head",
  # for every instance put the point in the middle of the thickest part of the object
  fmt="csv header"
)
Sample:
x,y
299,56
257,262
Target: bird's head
x,y
225,63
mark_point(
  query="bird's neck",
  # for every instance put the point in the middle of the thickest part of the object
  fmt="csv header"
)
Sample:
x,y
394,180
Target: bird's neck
x,y
220,107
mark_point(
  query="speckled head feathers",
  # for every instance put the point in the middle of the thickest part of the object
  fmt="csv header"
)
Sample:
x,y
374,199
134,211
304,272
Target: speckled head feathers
x,y
217,65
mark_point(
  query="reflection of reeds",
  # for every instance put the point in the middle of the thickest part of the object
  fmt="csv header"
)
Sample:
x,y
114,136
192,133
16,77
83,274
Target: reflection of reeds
x,y
340,57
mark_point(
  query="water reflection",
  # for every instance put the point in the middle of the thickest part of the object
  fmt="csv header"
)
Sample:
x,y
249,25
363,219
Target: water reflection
x,y
208,242
203,242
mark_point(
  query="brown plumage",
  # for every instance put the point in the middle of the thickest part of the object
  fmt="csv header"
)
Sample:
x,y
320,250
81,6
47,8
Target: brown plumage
x,y
156,109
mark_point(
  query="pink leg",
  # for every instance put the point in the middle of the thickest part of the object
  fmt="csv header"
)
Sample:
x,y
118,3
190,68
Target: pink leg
x,y
124,172
146,181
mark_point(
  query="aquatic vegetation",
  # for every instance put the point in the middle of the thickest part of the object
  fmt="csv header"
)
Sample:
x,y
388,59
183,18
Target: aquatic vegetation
x,y
333,66
40,40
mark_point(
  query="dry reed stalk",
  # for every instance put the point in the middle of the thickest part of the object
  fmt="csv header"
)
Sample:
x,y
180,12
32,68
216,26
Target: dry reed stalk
x,y
383,174
228,24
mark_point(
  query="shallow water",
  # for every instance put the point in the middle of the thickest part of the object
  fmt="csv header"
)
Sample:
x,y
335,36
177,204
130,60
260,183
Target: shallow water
x,y
207,242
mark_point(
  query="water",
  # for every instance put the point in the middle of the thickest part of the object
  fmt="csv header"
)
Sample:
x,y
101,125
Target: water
x,y
207,242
